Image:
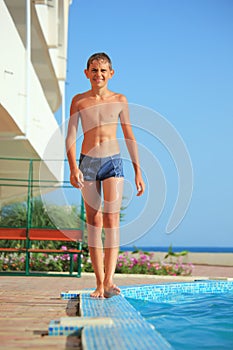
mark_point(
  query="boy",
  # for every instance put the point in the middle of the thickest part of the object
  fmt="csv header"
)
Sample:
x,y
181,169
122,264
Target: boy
x,y
100,166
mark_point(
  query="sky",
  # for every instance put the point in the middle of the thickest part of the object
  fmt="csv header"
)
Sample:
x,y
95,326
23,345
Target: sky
x,y
173,59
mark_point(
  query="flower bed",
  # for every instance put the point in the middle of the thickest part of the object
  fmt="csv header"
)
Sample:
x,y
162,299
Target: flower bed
x,y
38,262
129,263
144,263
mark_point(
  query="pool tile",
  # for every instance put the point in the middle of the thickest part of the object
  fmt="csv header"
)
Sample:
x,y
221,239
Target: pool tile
x,y
167,292
129,330
69,325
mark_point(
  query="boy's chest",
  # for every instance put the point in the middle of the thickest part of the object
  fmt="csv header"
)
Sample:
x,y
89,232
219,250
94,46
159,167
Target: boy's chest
x,y
100,114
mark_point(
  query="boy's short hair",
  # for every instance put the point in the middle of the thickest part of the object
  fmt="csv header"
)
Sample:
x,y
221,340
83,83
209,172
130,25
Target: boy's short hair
x,y
99,56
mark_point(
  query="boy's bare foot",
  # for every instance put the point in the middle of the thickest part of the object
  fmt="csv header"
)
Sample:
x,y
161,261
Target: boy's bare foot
x,y
111,291
98,293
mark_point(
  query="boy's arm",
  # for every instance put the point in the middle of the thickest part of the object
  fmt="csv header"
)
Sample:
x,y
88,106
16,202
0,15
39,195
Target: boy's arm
x,y
131,145
76,177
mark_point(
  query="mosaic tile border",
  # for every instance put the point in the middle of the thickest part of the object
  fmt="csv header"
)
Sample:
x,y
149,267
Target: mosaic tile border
x,y
167,292
70,325
56,329
68,295
161,291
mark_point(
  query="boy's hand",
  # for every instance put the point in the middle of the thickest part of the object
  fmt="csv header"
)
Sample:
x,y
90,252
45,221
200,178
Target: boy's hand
x,y
140,185
76,178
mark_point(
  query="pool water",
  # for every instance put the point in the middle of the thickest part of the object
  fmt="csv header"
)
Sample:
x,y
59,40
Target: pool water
x,y
192,321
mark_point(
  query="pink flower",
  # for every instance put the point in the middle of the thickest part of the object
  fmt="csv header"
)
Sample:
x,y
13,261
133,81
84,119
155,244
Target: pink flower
x,y
134,261
143,257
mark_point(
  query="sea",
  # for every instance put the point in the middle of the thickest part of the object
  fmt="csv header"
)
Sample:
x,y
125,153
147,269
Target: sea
x,y
179,249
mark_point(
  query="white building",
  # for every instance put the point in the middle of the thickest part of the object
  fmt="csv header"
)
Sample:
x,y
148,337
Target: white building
x,y
32,76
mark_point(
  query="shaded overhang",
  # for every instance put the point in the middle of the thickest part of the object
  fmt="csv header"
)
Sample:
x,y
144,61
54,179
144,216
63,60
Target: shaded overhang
x,y
40,56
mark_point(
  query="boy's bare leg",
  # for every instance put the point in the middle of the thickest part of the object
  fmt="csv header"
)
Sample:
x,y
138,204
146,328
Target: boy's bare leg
x,y
96,255
92,200
113,189
110,260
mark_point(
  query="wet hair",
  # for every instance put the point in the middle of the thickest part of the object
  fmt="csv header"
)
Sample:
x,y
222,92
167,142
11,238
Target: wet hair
x,y
99,56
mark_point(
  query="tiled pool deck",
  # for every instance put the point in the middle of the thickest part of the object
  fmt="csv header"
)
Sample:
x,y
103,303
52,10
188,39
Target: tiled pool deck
x,y
28,304
129,330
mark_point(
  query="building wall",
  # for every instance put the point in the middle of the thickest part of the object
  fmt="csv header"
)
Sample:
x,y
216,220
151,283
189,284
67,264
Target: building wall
x,y
32,74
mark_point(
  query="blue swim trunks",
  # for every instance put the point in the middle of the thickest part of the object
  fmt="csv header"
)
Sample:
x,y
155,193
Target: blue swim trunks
x,y
94,169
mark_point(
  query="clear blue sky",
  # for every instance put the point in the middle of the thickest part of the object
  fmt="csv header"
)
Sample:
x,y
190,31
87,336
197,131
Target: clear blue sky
x,y
174,57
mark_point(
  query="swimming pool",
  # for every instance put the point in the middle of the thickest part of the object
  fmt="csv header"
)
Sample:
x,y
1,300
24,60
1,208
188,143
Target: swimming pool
x,y
196,315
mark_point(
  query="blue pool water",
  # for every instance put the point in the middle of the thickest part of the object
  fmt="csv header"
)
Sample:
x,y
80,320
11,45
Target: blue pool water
x,y
191,320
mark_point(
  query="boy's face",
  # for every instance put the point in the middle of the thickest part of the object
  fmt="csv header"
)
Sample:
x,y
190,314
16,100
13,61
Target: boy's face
x,y
99,73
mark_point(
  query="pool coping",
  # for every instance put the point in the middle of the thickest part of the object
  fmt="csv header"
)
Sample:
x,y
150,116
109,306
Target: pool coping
x,y
128,329
166,292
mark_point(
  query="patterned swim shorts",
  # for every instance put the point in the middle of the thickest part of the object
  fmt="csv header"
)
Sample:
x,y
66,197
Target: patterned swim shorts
x,y
94,169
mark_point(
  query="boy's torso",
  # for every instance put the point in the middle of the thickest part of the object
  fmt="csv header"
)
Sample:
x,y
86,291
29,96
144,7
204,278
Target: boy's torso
x,y
99,118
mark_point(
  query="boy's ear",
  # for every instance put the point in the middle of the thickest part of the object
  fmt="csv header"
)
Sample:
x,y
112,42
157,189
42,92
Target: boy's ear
x,y
112,73
86,73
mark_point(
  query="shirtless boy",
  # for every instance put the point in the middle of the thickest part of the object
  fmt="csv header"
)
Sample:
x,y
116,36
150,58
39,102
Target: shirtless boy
x,y
100,166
